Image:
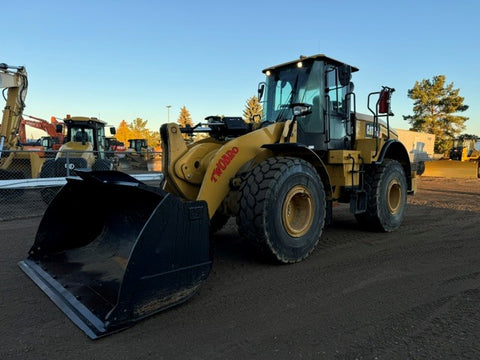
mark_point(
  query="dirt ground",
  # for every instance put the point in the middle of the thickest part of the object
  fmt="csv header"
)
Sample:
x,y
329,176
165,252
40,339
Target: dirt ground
x,y
411,294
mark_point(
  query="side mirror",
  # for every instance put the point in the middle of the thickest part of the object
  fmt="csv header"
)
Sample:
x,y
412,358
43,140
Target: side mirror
x,y
301,109
59,128
113,131
344,74
256,118
261,90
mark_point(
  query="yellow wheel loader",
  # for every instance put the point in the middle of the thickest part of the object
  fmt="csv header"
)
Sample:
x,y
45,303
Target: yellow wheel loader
x,y
463,160
84,148
137,156
151,248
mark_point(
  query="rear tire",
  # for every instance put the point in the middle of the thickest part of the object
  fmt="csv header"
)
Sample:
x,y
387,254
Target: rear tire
x,y
386,187
282,209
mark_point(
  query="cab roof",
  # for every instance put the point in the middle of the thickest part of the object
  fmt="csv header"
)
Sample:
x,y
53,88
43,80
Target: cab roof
x,y
307,58
85,119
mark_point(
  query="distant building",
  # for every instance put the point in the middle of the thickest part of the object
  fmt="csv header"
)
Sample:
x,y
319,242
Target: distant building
x,y
419,145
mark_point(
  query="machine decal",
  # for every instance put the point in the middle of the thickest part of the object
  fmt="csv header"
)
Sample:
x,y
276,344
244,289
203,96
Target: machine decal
x,y
223,163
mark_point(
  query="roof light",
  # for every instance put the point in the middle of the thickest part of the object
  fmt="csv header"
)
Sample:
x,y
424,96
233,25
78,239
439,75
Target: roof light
x,y
299,64
268,73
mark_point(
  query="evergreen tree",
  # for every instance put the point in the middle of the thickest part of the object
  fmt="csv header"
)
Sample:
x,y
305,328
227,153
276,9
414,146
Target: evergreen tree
x,y
253,110
184,118
434,111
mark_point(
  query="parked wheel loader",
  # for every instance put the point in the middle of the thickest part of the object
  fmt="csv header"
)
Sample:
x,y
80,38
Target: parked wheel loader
x,y
84,148
137,156
152,248
463,160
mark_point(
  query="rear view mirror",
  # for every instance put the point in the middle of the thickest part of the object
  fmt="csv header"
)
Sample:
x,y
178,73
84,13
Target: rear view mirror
x,y
59,128
113,131
261,90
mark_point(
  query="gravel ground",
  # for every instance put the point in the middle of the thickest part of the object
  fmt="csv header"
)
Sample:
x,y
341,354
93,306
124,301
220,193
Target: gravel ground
x,y
410,294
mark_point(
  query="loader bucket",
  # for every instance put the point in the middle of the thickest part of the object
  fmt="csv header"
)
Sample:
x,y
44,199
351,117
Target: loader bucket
x,y
452,169
111,250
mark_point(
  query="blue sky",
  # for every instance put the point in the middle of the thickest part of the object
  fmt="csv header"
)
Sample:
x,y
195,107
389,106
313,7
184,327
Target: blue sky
x,y
119,60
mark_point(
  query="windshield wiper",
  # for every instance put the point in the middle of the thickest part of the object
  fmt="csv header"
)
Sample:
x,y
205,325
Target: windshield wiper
x,y
292,95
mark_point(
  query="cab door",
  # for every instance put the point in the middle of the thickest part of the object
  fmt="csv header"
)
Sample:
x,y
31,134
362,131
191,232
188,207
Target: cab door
x,y
337,111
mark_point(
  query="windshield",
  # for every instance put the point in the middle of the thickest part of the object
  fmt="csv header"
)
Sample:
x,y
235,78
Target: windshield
x,y
290,85
81,134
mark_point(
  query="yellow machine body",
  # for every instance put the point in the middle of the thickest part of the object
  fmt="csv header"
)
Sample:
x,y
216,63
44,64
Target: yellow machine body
x,y
452,169
148,248
17,164
463,161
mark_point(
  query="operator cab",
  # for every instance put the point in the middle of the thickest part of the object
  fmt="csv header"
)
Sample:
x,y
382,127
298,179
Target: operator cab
x,y
86,130
323,83
138,145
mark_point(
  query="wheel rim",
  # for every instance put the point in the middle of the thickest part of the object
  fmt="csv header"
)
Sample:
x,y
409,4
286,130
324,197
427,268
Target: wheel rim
x,y
298,211
394,196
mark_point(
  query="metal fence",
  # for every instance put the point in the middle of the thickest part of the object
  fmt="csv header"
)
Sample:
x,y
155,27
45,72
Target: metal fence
x,y
30,179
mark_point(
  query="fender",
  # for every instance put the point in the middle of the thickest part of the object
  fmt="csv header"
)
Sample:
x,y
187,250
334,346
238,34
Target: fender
x,y
307,154
394,149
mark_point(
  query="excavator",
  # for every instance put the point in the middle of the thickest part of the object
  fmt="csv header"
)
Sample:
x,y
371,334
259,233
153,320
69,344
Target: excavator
x,y
15,164
53,141
152,248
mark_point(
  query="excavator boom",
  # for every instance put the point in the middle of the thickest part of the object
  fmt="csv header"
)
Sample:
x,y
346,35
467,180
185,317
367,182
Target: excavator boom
x,y
16,165
16,84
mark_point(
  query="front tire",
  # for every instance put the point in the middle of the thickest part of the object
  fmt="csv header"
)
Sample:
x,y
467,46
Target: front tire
x,y
102,164
282,209
386,187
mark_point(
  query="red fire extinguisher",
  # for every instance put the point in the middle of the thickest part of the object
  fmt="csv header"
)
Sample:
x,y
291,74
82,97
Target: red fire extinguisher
x,y
384,101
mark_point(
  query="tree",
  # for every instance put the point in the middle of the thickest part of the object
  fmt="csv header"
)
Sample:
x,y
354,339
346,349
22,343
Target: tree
x,y
253,110
184,118
153,139
435,107
137,129
123,133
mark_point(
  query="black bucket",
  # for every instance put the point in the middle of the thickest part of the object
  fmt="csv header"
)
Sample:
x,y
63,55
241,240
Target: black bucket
x,y
111,250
